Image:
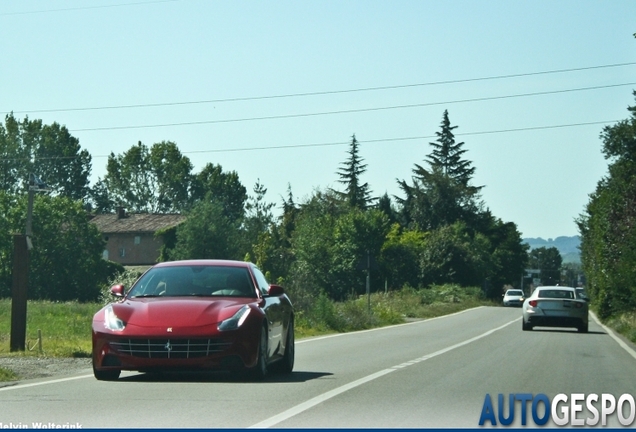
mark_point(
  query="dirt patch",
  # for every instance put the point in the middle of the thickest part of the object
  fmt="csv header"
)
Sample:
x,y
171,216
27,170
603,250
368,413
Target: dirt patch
x,y
43,367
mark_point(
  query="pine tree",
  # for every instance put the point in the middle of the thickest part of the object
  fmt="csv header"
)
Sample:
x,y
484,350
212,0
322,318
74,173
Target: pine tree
x,y
356,193
447,155
441,194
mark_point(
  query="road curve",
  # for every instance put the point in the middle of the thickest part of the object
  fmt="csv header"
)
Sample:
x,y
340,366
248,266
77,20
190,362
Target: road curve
x,y
431,373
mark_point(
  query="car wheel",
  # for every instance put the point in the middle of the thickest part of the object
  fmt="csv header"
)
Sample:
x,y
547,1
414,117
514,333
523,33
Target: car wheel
x,y
583,328
107,375
525,326
259,371
286,364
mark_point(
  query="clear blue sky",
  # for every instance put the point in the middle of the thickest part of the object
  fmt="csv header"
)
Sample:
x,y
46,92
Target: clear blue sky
x,y
203,74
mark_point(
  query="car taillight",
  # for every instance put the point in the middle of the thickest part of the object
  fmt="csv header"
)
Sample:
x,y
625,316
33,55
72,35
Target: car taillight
x,y
533,303
578,305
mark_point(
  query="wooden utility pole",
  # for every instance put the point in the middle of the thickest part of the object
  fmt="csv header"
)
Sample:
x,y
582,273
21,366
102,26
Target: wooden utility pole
x,y
19,292
21,246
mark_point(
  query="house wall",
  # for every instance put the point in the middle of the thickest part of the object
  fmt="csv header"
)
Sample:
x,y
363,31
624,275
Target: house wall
x,y
132,249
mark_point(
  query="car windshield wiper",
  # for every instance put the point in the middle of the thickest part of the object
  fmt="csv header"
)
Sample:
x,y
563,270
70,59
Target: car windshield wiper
x,y
144,296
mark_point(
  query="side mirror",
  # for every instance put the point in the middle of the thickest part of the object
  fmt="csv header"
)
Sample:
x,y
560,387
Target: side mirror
x,y
117,290
276,290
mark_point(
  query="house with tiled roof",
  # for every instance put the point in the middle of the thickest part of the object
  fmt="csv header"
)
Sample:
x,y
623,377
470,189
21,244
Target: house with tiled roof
x,y
130,238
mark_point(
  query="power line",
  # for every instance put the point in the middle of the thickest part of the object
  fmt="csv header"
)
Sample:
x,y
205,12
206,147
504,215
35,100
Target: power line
x,y
84,8
342,143
321,93
413,138
351,111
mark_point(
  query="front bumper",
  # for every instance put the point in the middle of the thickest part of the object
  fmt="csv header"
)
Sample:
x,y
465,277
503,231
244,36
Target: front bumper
x,y
196,349
516,303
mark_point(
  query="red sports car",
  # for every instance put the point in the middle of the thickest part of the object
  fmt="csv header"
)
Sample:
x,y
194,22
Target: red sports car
x,y
192,315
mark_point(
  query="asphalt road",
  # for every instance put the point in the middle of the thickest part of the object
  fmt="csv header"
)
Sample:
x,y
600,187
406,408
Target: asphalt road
x,y
433,373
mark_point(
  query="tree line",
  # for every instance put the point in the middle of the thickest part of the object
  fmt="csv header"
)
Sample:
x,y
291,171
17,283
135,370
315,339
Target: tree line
x,y
438,230
608,224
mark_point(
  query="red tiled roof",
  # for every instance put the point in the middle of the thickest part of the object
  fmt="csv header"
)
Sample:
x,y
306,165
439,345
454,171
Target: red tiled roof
x,y
136,222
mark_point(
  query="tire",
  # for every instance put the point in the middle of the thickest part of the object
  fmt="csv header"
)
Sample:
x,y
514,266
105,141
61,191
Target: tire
x,y
286,364
259,371
583,328
525,326
106,375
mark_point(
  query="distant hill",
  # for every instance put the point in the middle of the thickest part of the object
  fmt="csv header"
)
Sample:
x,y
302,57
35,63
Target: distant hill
x,y
567,246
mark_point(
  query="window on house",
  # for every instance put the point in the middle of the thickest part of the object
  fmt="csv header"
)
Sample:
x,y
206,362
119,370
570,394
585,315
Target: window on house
x,y
137,240
122,252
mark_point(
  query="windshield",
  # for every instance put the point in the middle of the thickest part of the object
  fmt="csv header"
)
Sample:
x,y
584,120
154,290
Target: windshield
x,y
198,280
558,294
514,293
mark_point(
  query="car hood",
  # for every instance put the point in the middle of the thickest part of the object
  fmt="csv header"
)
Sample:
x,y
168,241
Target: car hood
x,y
177,312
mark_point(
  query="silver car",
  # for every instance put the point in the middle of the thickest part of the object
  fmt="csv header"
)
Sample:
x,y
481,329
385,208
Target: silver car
x,y
513,297
555,306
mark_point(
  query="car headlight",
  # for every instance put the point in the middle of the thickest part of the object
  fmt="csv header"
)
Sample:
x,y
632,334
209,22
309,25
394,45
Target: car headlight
x,y
112,321
236,320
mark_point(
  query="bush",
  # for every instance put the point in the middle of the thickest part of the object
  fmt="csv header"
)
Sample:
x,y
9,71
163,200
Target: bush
x,y
126,278
393,307
625,324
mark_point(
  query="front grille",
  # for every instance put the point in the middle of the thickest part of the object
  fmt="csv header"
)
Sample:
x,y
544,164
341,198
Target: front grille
x,y
170,348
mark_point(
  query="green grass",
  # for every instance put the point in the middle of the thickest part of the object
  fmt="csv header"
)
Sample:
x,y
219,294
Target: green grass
x,y
624,324
65,327
7,375
383,309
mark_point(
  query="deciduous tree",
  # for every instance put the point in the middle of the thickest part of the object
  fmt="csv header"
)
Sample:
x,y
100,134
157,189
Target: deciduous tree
x,y
207,233
48,151
224,187
608,224
66,260
548,261
149,180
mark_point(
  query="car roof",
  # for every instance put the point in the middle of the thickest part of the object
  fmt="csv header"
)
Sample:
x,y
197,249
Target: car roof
x,y
205,262
556,287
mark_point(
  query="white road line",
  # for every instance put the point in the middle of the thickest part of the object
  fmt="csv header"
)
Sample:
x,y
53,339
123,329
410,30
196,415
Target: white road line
x,y
613,335
272,421
21,386
40,383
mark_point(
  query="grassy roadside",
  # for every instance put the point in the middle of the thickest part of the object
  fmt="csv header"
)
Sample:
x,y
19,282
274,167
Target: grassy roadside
x,y
625,324
66,327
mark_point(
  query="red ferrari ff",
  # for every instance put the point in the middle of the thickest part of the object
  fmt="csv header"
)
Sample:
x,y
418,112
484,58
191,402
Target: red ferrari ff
x,y
192,315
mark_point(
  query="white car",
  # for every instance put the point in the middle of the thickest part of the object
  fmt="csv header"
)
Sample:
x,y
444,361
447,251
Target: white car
x,y
513,297
555,306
